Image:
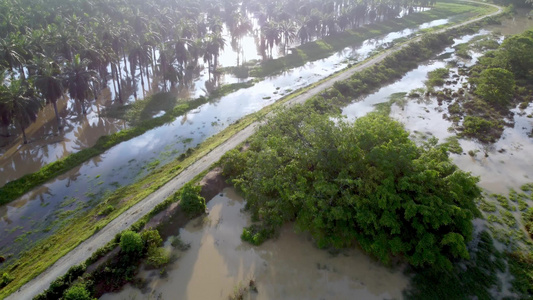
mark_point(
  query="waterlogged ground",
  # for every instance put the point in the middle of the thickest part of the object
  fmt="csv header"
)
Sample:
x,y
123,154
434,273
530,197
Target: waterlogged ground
x,y
41,211
289,267
47,144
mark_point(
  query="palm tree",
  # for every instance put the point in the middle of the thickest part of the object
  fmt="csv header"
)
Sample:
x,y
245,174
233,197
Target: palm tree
x,y
79,80
271,34
288,30
215,43
10,53
20,104
48,83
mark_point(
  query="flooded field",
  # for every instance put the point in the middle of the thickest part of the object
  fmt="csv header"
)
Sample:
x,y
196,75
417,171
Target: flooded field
x,y
47,144
38,213
288,267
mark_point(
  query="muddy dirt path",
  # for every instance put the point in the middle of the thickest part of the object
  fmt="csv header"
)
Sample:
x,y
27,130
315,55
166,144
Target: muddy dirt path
x,y
122,222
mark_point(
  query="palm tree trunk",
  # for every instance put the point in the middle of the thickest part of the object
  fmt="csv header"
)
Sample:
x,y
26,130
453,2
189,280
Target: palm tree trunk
x,y
132,72
83,107
147,77
54,103
153,61
119,78
114,78
125,63
142,79
23,133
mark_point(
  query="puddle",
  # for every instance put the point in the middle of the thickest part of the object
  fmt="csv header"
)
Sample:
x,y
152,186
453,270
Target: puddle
x,y
289,267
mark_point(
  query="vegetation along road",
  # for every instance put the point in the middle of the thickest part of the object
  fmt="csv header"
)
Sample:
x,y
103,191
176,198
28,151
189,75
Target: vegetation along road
x,y
99,239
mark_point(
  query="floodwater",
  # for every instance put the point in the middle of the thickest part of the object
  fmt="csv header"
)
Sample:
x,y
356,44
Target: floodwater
x,y
47,144
289,267
41,211
508,164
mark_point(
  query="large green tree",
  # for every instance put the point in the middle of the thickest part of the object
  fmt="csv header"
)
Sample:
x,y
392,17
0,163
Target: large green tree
x,y
364,183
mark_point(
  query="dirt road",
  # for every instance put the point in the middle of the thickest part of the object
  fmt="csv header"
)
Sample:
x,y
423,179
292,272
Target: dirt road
x,y
85,249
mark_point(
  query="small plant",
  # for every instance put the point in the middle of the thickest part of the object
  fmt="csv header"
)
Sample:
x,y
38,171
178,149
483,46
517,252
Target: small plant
x,y
107,210
238,292
6,279
78,292
151,238
191,202
179,244
158,257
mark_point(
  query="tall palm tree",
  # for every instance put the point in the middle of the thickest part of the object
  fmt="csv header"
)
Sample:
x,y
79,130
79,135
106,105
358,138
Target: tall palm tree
x,y
271,34
288,31
215,44
21,103
48,83
79,80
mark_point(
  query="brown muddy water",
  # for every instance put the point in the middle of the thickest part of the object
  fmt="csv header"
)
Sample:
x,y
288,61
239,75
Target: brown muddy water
x,y
289,267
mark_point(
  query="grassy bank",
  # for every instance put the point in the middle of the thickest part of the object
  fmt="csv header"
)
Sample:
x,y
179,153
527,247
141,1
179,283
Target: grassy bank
x,y
33,262
330,44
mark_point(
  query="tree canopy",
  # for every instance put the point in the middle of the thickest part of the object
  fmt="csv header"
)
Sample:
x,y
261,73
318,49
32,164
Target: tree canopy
x,y
364,183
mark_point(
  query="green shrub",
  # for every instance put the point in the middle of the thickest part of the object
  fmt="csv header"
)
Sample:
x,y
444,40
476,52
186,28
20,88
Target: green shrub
x,y
6,279
496,86
256,234
479,128
77,292
191,202
107,210
158,257
131,243
151,238
436,77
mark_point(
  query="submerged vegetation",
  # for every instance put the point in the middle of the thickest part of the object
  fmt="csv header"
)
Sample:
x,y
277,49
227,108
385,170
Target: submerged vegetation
x,y
499,81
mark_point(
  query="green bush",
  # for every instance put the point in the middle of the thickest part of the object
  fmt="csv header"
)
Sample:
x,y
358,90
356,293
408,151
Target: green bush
x,y
479,128
191,202
151,238
131,243
436,77
158,257
6,279
77,292
107,210
496,86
